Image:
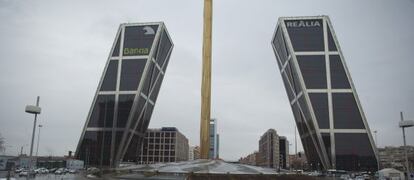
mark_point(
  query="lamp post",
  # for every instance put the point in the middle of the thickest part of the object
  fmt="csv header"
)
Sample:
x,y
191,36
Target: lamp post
x,y
33,110
405,124
38,139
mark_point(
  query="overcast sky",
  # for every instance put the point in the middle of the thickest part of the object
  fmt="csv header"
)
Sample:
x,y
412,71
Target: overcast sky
x,y
58,49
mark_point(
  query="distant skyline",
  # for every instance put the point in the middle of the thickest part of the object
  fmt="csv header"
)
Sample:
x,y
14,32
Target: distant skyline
x,y
58,50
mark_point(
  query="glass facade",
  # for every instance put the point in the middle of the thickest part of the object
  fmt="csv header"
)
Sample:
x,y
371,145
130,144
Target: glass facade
x,y
327,113
126,96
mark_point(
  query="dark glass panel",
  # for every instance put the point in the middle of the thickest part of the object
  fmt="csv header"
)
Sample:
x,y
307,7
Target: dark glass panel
x,y
132,152
164,48
156,90
103,111
339,79
109,81
147,82
313,70
118,139
345,111
139,115
306,112
354,152
124,107
280,46
131,74
106,149
326,138
116,49
147,116
288,88
154,76
331,42
311,153
295,79
306,35
138,40
167,59
320,107
289,75
298,118
95,148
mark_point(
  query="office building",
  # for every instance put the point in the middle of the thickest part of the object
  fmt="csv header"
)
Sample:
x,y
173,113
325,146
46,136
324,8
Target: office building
x,y
250,159
283,152
214,140
327,111
269,150
394,157
163,145
193,153
126,95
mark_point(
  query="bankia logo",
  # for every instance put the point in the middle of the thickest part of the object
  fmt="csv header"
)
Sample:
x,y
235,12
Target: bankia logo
x,y
303,23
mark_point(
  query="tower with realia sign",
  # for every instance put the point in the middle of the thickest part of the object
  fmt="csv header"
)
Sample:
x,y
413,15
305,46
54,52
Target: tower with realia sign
x,y
327,111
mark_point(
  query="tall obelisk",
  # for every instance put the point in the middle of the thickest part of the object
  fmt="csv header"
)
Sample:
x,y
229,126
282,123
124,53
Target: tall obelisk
x,y
206,81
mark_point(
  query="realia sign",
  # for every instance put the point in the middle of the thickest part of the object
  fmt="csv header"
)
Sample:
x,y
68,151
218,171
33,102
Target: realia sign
x,y
303,23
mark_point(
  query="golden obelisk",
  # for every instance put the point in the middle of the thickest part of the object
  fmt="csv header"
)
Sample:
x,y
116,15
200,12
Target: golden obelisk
x,y
206,81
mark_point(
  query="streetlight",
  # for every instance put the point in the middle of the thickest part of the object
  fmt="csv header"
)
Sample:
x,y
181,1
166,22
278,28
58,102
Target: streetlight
x,y
405,124
38,139
33,110
376,140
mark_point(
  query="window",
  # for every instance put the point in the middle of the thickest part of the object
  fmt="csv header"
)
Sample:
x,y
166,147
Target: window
x,y
339,79
116,48
156,90
280,46
306,35
138,40
109,81
331,42
354,152
103,112
345,111
163,49
124,106
313,70
320,107
326,138
96,147
131,74
288,87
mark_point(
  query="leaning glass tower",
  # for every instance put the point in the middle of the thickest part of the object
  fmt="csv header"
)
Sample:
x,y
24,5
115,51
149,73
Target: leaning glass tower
x,y
126,95
327,111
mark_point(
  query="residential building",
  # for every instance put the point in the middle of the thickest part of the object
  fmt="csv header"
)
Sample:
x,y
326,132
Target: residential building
x,y
214,140
250,159
163,145
193,153
283,152
394,157
328,114
126,95
269,150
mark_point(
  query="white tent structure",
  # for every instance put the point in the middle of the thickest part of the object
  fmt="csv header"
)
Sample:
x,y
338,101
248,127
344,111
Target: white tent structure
x,y
390,173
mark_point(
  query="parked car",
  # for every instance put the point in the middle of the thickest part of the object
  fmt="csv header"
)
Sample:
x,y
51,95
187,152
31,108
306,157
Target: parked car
x,y
72,171
23,173
60,171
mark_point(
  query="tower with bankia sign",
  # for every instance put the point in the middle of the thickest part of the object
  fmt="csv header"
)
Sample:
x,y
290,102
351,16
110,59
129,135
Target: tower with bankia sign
x,y
325,105
126,95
